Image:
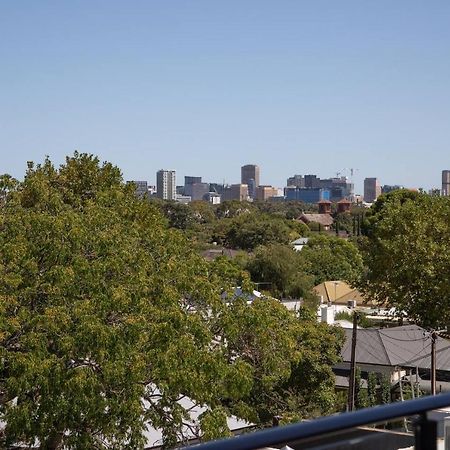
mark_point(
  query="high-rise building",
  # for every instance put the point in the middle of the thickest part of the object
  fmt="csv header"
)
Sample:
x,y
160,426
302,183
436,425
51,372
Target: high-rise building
x,y
198,191
166,184
296,180
306,195
216,187
372,189
251,185
446,183
141,188
312,181
236,192
339,187
189,182
265,192
250,172
212,197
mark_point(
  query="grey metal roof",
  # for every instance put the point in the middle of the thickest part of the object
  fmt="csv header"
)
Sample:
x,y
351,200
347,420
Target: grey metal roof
x,y
300,241
406,346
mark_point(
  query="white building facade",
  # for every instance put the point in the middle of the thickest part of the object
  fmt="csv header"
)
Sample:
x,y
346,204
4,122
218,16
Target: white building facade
x,y
166,187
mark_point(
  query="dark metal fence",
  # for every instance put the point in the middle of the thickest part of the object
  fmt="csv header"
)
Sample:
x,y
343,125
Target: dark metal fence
x,y
425,430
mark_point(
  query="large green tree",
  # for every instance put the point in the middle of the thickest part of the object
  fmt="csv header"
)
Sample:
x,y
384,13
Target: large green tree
x,y
108,317
286,360
328,258
279,269
407,255
249,230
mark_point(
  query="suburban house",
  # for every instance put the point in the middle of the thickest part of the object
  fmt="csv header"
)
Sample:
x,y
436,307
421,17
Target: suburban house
x,y
400,353
323,220
299,243
339,293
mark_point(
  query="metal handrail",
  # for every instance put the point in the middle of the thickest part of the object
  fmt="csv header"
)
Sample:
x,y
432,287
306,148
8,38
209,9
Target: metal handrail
x,y
328,425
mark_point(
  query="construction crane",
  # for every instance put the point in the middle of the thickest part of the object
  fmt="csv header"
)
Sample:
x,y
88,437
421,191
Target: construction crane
x,y
352,172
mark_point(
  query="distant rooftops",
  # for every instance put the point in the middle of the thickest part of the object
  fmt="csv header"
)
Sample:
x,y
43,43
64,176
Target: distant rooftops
x,y
406,346
338,292
323,219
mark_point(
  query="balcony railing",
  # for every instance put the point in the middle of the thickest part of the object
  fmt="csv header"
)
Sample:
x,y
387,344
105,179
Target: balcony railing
x,y
425,429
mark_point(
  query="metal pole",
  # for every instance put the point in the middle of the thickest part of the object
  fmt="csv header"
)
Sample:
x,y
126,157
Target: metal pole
x,y
425,433
351,384
433,362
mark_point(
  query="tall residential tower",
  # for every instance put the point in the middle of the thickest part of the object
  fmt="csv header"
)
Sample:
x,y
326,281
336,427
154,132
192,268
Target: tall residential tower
x,y
166,187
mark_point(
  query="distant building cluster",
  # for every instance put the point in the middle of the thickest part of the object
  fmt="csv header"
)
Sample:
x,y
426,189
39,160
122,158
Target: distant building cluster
x,y
305,188
312,189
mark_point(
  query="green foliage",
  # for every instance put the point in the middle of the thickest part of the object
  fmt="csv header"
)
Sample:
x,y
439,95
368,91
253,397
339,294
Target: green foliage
x,y
195,219
330,258
298,228
288,210
361,395
383,205
385,390
343,315
363,321
377,391
281,266
178,215
315,227
214,422
90,291
249,230
234,208
288,359
103,306
341,402
229,273
407,254
343,222
372,384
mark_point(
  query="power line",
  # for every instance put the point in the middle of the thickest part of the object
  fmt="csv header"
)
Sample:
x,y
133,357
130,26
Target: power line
x,y
404,340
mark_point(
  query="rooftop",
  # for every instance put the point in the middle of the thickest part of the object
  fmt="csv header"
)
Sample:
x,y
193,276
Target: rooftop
x,y
405,346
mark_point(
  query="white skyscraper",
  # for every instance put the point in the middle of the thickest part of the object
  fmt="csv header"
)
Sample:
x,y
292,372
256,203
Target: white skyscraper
x,y
166,187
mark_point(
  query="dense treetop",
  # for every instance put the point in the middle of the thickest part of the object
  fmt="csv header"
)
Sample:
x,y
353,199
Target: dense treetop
x,y
108,317
407,255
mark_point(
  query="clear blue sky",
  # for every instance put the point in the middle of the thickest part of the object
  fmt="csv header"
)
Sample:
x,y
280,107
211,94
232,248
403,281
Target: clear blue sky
x,y
205,86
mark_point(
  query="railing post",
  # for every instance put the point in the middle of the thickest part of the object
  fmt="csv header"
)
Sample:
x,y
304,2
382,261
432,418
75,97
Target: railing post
x,y
425,433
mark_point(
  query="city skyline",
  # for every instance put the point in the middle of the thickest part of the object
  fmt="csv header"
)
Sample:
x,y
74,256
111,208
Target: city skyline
x,y
296,187
150,177
204,87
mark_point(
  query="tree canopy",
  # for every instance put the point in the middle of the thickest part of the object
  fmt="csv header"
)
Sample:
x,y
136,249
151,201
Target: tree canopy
x,y
330,258
108,317
407,255
279,269
251,229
